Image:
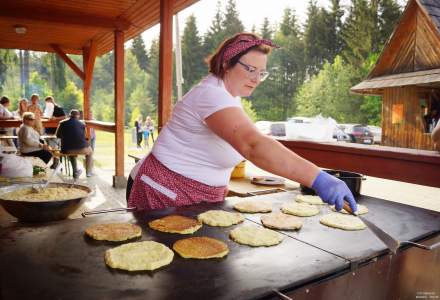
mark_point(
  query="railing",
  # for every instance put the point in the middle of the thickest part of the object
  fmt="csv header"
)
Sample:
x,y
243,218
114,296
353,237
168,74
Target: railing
x,y
100,125
402,164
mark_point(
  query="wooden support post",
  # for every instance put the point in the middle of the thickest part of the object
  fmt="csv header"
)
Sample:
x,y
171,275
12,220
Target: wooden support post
x,y
165,61
119,180
89,56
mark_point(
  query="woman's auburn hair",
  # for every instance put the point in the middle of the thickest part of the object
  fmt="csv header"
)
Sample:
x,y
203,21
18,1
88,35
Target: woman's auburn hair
x,y
216,63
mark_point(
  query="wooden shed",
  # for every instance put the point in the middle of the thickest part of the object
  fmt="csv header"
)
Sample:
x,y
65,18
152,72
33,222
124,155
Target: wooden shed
x,y
407,76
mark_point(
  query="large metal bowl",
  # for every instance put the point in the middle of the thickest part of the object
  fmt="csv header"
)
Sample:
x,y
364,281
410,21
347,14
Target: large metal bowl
x,y
42,211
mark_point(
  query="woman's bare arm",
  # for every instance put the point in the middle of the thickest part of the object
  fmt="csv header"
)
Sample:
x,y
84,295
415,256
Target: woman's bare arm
x,y
235,127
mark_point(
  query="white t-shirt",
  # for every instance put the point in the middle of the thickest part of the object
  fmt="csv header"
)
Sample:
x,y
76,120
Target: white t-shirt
x,y
187,146
48,110
5,113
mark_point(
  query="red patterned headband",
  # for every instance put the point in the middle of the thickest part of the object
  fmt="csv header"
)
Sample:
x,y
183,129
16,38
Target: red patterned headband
x,y
243,44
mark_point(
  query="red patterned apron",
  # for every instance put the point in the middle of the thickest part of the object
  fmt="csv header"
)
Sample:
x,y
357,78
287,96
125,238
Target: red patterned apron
x,y
156,187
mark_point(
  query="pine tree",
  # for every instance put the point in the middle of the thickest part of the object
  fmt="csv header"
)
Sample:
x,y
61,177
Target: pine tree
x,y
289,24
58,73
193,68
358,33
273,98
26,72
153,72
231,22
6,58
266,30
389,14
316,38
215,34
138,49
334,29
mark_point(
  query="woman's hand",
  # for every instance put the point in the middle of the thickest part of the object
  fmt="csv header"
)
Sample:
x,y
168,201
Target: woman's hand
x,y
333,191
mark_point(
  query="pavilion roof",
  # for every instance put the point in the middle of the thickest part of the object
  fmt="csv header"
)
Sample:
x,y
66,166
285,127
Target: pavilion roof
x,y
73,24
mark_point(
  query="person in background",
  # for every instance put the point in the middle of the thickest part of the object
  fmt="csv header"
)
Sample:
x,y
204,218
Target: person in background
x,y
72,133
435,116
48,107
150,126
5,114
139,133
209,133
54,112
35,108
22,107
29,140
436,136
146,133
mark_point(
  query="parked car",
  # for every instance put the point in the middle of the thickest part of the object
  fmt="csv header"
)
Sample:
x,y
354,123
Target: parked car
x,y
263,126
358,133
377,133
278,129
340,135
299,120
272,128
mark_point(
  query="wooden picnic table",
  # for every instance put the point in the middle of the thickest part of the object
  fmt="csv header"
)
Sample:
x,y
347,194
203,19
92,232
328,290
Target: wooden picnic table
x,y
15,123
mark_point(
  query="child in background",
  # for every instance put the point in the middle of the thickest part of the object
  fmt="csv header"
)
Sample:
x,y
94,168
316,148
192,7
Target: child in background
x,y
146,133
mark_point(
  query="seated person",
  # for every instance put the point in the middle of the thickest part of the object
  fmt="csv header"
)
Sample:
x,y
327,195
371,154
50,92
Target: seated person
x,y
5,114
29,139
54,112
73,141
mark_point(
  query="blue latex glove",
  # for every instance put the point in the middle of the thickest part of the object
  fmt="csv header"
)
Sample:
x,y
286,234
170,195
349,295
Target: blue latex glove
x,y
333,191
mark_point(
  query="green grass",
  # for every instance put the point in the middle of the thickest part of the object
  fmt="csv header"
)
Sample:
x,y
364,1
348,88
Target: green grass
x,y
104,154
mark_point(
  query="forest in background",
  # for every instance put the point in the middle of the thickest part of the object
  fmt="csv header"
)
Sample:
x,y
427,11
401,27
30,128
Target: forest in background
x,y
310,74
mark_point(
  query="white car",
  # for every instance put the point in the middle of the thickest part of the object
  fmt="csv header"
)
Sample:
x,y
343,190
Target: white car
x,y
299,120
263,126
377,133
271,128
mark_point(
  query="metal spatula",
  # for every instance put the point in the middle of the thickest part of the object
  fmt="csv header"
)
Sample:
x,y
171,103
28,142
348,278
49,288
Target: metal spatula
x,y
387,239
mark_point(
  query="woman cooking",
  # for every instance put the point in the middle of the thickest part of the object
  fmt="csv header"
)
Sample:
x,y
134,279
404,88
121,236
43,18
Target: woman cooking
x,y
209,133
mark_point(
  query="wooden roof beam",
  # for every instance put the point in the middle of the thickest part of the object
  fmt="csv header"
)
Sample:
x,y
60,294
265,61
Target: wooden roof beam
x,y
36,13
68,61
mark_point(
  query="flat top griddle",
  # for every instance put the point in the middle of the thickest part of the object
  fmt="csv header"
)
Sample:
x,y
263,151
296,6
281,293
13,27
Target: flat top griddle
x,y
403,222
56,260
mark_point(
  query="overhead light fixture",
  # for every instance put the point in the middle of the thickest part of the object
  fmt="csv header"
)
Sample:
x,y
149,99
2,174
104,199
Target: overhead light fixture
x,y
19,29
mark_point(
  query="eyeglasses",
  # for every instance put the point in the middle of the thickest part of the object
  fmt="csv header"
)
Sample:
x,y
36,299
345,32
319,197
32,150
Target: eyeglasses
x,y
252,72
